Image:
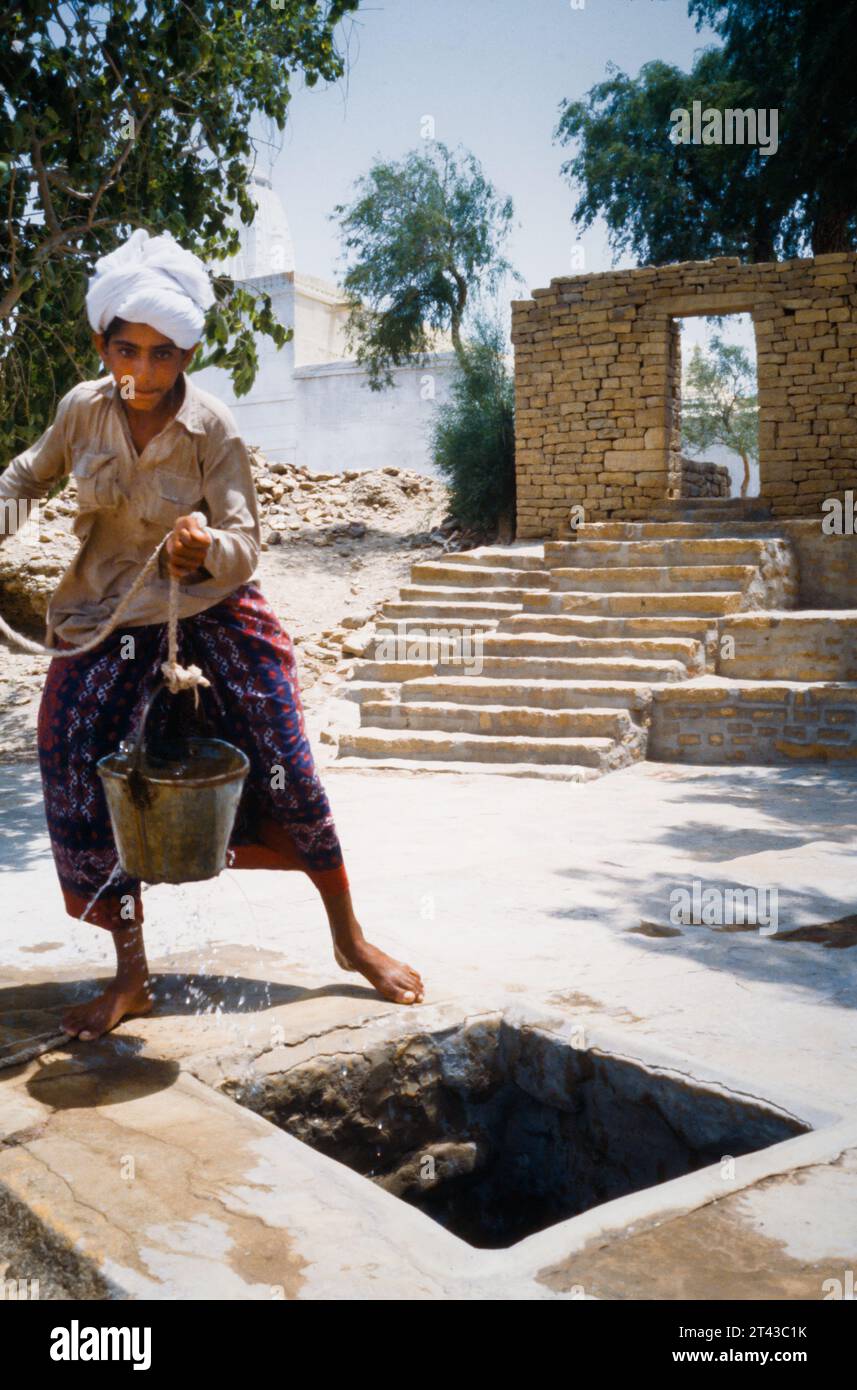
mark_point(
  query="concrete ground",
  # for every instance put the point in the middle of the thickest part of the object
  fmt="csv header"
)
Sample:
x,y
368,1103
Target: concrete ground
x,y
124,1172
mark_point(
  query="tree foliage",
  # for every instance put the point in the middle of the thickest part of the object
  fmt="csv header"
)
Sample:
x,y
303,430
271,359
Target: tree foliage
x,y
800,54
424,233
669,202
720,405
118,115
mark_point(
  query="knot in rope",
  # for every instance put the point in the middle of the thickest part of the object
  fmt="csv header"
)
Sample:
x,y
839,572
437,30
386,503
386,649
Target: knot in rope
x,y
179,677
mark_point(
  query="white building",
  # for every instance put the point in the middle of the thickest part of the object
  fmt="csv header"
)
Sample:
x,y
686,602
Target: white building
x,y
309,404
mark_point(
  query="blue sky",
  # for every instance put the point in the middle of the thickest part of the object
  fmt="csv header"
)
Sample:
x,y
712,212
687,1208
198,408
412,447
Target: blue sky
x,y
492,74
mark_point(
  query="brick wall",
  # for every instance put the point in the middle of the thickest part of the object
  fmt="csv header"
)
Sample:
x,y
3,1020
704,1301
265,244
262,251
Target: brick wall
x,y
597,377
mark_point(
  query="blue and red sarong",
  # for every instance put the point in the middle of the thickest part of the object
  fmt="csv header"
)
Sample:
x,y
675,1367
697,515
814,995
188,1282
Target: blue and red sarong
x,y
93,701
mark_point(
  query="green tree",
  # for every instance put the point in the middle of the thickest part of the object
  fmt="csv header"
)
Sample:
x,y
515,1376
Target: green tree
x,y
473,434
799,54
719,405
665,202
425,232
117,115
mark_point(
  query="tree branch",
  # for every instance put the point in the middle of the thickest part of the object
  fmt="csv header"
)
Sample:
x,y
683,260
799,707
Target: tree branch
x,y
51,218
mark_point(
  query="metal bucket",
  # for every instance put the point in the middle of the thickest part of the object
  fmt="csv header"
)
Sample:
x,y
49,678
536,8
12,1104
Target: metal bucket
x,y
172,816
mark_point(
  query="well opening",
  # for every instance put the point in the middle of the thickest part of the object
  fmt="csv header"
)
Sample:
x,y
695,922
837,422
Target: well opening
x,y
498,1130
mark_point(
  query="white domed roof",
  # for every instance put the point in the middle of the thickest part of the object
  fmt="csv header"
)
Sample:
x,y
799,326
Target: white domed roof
x,y
266,245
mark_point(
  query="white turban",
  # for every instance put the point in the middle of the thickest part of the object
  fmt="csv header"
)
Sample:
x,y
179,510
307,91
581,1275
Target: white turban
x,y
153,280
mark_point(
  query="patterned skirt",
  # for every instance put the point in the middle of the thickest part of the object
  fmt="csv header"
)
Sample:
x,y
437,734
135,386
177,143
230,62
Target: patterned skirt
x,y
91,702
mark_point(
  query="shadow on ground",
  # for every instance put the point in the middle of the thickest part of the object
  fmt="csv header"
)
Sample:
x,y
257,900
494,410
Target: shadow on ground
x,y
799,839
23,830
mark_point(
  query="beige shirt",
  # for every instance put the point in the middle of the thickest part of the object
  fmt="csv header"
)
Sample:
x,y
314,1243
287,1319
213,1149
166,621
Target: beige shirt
x,y
128,502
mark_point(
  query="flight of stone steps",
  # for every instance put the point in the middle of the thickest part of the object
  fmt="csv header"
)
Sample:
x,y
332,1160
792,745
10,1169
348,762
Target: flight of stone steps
x,y
539,659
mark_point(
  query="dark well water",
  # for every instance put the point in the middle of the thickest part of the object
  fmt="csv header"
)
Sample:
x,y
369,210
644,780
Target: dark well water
x,y
498,1132
178,761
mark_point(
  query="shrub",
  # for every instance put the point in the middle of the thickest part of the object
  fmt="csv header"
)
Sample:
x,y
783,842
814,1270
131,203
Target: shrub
x,y
473,434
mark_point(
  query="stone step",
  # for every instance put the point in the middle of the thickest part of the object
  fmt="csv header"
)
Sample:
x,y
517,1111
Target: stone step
x,y
397,671
537,602
655,579
528,557
480,576
437,593
622,604
538,666
452,612
414,766
601,753
684,649
396,627
357,691
560,668
710,514
500,719
711,509
694,550
678,530
571,625
546,694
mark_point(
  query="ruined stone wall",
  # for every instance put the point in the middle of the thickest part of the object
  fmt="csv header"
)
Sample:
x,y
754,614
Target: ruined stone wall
x,y
699,478
597,377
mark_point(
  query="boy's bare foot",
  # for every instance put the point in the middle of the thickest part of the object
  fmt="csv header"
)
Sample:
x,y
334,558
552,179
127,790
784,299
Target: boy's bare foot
x,y
392,978
342,961
97,1016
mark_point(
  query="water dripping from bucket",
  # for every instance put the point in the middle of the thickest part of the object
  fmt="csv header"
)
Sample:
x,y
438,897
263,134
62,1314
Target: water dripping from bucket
x,y
114,874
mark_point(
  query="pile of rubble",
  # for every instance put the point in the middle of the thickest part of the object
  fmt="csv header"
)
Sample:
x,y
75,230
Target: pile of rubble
x,y
32,563
296,504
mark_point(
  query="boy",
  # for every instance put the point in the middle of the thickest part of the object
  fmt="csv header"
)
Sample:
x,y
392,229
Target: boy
x,y
147,449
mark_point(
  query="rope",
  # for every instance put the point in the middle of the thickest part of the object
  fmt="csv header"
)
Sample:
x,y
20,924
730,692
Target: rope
x,y
177,677
31,1050
28,1048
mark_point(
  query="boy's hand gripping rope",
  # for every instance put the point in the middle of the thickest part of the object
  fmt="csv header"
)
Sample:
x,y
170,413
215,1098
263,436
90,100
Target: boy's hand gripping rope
x,y
177,677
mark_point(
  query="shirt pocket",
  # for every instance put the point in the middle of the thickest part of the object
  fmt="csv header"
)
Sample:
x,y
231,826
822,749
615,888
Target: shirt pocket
x,y
173,495
96,474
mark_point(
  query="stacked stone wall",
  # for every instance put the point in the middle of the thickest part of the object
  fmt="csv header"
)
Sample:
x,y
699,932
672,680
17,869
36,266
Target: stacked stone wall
x,y
761,724
796,646
700,478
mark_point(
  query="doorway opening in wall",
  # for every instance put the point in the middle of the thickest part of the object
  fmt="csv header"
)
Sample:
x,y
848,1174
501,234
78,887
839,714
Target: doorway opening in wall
x,y
717,438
